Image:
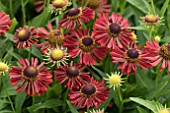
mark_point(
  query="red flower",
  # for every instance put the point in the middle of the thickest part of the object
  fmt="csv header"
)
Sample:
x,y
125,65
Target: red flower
x,y
5,22
76,15
92,93
159,54
100,6
25,37
129,57
52,38
112,31
31,77
81,43
72,74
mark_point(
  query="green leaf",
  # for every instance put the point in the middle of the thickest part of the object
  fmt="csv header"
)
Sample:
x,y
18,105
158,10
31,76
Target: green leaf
x,y
50,104
6,111
41,19
3,103
152,105
148,6
13,26
163,9
2,7
110,97
156,90
141,28
11,89
139,5
14,54
99,71
35,52
141,110
32,108
118,98
72,108
19,100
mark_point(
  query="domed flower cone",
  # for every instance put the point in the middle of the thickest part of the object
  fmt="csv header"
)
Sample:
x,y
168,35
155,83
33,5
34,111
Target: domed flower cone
x,y
112,31
31,77
52,37
90,94
75,16
159,54
25,37
81,43
129,58
72,75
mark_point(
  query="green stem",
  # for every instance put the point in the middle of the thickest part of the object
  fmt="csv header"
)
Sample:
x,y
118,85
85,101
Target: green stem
x,y
23,12
87,1
150,33
3,79
29,57
88,110
65,99
121,100
11,9
158,77
33,100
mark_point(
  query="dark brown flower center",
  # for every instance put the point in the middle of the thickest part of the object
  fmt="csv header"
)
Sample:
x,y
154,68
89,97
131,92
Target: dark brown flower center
x,y
87,41
94,4
24,35
168,48
86,44
73,12
133,53
115,28
30,72
72,71
88,90
165,51
55,37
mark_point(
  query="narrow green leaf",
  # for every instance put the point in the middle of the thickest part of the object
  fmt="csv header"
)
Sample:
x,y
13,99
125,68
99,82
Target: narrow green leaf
x,y
6,111
148,6
19,100
41,19
165,6
72,108
2,7
156,90
110,97
141,28
141,110
99,71
50,104
3,103
13,26
32,108
152,105
139,5
11,89
14,54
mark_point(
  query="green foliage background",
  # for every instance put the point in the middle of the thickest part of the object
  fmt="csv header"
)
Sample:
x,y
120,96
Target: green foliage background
x,y
149,84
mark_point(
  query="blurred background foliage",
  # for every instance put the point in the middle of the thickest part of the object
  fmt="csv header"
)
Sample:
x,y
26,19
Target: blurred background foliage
x,y
150,84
